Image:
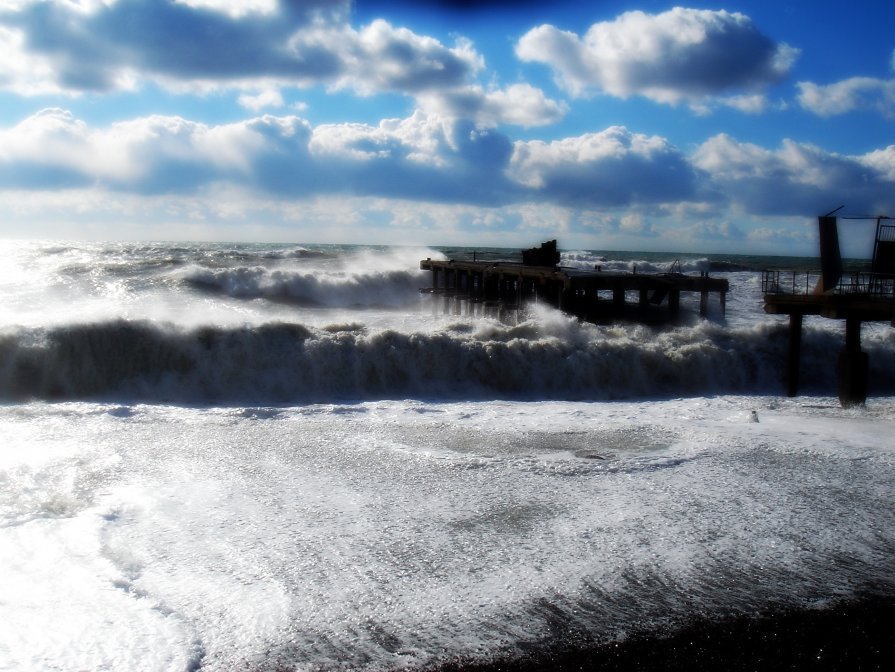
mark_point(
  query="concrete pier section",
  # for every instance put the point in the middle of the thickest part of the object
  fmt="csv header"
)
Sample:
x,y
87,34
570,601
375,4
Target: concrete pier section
x,y
500,289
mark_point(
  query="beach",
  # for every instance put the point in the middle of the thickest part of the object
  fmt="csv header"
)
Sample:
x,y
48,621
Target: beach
x,y
269,457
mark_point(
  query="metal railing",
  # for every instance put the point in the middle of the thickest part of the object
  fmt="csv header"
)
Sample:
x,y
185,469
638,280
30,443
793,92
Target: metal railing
x,y
880,286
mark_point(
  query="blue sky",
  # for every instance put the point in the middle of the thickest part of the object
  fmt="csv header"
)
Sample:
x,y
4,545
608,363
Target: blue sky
x,y
722,127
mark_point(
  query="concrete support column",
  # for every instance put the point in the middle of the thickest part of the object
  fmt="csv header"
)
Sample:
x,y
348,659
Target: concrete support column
x,y
852,366
618,298
794,354
674,302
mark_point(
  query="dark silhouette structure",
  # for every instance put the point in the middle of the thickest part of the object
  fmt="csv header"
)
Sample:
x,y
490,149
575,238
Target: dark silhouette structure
x,y
856,298
503,288
545,255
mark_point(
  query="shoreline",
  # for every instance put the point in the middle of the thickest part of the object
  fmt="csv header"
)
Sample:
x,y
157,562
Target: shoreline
x,y
852,635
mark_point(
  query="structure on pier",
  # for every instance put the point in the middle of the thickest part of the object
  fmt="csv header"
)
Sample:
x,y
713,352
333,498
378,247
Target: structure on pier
x,y
502,288
854,297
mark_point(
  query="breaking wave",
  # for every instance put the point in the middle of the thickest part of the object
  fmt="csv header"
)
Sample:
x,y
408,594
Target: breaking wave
x,y
291,363
391,289
590,260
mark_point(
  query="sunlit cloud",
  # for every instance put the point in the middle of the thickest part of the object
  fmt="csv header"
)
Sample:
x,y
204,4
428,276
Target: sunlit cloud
x,y
265,99
614,167
863,94
216,43
796,178
679,55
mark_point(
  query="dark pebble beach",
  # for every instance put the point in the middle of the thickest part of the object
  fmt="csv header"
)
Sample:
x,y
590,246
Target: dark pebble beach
x,y
857,635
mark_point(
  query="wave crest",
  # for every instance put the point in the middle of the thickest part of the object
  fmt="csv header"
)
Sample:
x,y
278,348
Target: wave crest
x,y
290,363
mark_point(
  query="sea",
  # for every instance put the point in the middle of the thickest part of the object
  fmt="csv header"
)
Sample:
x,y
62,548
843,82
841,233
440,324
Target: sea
x,y
287,457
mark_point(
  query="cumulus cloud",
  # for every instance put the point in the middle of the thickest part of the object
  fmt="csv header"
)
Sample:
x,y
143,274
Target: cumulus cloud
x,y
679,55
267,98
612,168
234,8
797,178
849,95
381,57
421,157
22,73
57,45
418,158
432,159
519,104
153,154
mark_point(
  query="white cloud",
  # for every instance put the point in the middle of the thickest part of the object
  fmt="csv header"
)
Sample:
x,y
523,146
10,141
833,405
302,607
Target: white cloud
x,y
381,57
797,178
614,167
219,44
849,95
421,158
678,55
882,161
234,8
429,159
267,98
519,104
151,154
22,72
421,138
635,223
755,103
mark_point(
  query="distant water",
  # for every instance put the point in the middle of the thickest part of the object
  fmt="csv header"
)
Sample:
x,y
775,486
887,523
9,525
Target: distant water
x,y
227,457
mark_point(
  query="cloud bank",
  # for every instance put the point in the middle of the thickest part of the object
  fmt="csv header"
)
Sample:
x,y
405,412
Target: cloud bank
x,y
58,46
426,157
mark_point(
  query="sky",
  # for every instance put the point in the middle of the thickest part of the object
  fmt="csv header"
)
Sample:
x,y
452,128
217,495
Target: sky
x,y
723,127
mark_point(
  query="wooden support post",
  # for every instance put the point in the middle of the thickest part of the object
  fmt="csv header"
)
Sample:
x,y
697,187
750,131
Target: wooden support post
x,y
644,298
723,303
794,354
703,303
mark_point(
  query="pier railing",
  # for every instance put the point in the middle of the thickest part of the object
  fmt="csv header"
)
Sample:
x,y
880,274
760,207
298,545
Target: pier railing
x,y
878,286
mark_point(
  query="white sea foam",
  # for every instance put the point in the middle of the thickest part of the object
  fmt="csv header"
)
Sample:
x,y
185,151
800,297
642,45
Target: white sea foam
x,y
395,534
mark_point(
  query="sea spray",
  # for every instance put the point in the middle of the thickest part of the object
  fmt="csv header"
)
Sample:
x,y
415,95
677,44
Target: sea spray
x,y
549,358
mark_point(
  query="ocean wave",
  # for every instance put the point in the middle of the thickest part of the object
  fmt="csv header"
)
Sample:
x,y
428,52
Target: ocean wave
x,y
591,260
290,363
388,288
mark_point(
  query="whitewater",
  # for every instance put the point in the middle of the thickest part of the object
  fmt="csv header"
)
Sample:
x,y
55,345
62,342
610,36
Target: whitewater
x,y
284,457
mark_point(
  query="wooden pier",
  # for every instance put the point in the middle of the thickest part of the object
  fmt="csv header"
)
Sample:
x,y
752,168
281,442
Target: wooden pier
x,y
501,288
830,293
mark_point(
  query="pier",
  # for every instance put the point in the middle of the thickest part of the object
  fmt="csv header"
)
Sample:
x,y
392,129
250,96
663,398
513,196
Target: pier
x,y
831,293
500,289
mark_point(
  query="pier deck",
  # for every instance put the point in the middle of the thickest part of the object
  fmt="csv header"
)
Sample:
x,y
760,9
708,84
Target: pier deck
x,y
588,294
